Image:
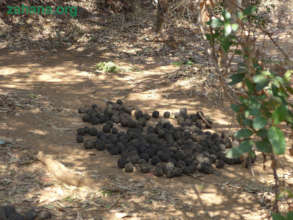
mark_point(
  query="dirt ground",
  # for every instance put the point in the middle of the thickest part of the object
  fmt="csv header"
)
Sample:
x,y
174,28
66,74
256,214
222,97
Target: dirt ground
x,y
41,91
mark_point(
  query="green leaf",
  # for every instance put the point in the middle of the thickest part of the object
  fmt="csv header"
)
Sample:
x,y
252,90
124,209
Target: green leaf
x,y
249,85
277,139
215,23
287,75
228,29
259,122
259,78
254,111
275,90
280,114
226,43
264,146
235,107
248,122
240,15
243,133
236,152
279,80
277,216
290,215
266,73
209,37
227,15
262,133
261,81
249,10
238,52
234,27
236,78
246,113
290,90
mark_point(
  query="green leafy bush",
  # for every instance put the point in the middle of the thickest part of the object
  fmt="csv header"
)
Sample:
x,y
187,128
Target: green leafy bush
x,y
263,104
289,216
107,67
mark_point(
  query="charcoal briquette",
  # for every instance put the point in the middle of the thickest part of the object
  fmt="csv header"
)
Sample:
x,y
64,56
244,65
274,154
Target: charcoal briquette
x,y
119,102
102,119
81,131
99,145
193,117
150,129
232,161
107,128
126,109
116,118
180,164
142,122
131,123
183,112
138,114
95,121
145,168
187,122
220,164
146,116
93,131
122,162
113,150
177,171
144,156
189,169
179,155
79,139
82,110
120,147
156,114
164,156
205,167
114,131
158,171
155,160
89,144
166,114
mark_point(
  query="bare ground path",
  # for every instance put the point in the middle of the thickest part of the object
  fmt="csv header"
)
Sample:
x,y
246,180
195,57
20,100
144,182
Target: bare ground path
x,y
46,90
